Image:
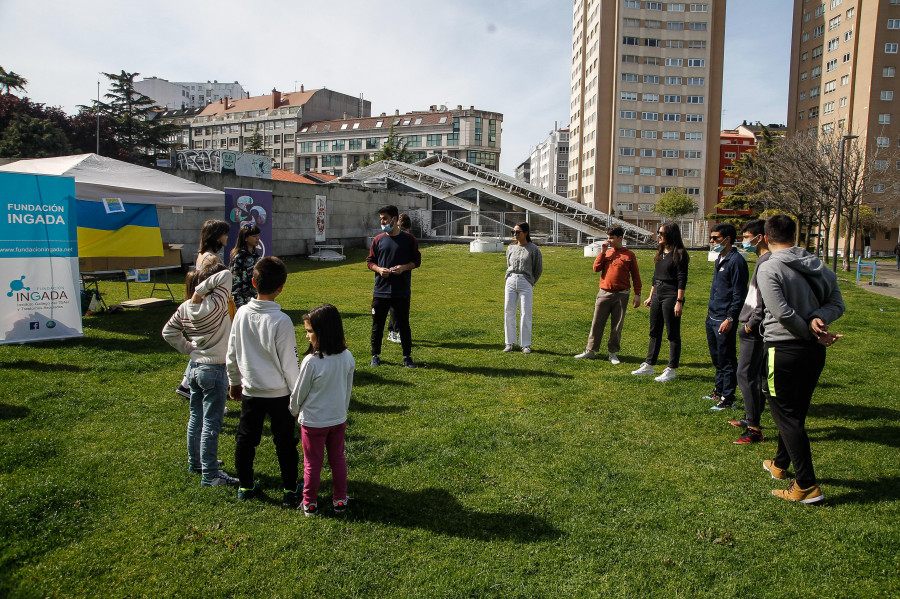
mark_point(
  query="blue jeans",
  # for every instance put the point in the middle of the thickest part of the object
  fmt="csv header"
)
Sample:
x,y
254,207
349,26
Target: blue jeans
x,y
209,390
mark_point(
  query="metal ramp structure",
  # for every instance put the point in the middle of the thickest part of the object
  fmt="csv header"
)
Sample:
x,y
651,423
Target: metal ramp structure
x,y
445,178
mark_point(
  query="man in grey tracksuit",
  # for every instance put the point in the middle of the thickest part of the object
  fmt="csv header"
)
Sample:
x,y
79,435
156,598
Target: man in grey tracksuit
x,y
801,299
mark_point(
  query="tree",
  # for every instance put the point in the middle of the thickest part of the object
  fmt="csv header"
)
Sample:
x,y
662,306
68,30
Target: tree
x,y
83,133
29,137
11,81
131,112
394,148
675,203
254,143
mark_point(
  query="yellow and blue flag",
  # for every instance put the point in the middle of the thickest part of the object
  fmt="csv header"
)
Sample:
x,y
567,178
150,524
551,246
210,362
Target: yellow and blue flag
x,y
131,233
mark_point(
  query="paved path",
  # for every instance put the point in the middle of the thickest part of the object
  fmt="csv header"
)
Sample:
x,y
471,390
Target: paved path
x,y
886,273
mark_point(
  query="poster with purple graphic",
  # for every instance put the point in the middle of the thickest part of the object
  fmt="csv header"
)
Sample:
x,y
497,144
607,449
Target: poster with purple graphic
x,y
249,206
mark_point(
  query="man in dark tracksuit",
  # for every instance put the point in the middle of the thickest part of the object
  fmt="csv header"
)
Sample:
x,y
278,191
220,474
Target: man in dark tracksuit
x,y
726,297
394,253
801,298
751,366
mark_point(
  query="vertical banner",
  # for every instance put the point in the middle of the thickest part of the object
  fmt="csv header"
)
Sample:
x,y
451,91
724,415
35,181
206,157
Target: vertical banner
x,y
39,296
249,206
321,218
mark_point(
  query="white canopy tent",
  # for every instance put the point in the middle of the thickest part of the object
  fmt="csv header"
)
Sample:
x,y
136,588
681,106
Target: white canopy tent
x,y
97,177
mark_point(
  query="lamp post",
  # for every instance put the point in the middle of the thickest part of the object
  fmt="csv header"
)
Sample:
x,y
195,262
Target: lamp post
x,y
837,220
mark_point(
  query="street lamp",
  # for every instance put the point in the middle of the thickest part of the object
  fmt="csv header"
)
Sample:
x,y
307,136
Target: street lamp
x,y
837,220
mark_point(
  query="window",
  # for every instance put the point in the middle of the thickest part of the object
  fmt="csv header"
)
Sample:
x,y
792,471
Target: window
x,y
890,48
673,7
337,146
730,155
806,36
626,170
884,119
651,78
893,23
845,79
648,171
831,65
669,153
675,25
830,86
627,133
887,95
696,81
833,44
699,7
696,62
372,143
692,172
628,114
814,92
727,181
815,72
624,188
693,118
648,153
670,117
415,141
632,3
672,99
843,101
673,80
321,146
649,24
888,71
820,10
845,57
694,154
814,113
379,123
834,23
653,6
671,135
624,207
626,151
802,96
878,188
850,12
668,172
819,31
649,116
835,3
674,62
632,22
652,42
647,189
881,165
698,26
693,136
848,35
631,41
695,99
630,58
692,191
674,44
828,107
650,97
697,45
629,77
433,139
306,146
817,52
804,56
629,96
646,134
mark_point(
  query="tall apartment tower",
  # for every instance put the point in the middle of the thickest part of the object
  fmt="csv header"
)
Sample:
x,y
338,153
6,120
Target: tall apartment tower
x,y
844,63
646,103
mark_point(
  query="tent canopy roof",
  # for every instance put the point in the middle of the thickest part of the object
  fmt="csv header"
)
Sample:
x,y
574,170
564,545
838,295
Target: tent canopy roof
x,y
97,177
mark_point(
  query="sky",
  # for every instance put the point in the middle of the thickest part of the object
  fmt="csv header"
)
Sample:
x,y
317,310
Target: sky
x,y
507,56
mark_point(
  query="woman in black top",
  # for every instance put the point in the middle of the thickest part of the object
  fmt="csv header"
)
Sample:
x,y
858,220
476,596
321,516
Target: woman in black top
x,y
666,300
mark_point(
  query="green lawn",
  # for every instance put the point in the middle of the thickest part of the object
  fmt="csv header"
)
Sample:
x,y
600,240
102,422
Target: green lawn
x,y
481,474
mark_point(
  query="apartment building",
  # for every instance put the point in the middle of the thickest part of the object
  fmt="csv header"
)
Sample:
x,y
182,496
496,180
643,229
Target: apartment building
x,y
174,95
234,124
646,100
550,163
733,144
844,63
338,146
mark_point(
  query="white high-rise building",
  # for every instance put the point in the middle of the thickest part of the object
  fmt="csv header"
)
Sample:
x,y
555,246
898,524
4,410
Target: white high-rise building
x,y
550,163
174,95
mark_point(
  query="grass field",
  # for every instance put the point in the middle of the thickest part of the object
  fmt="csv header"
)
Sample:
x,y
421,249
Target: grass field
x,y
482,474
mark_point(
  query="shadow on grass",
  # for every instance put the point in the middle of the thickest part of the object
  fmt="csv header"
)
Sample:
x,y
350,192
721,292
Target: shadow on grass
x,y
879,490
362,378
42,366
456,345
883,435
850,412
436,510
296,315
11,412
496,372
366,408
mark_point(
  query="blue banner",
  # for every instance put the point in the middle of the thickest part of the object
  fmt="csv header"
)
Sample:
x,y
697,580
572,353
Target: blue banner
x,y
37,216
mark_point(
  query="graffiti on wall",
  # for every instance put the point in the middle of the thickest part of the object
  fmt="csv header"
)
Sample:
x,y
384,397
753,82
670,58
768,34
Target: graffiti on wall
x,y
225,161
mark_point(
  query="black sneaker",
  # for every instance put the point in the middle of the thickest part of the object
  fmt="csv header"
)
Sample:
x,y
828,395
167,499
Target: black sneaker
x,y
724,403
292,499
310,509
376,361
341,506
408,363
750,436
253,493
713,396
183,391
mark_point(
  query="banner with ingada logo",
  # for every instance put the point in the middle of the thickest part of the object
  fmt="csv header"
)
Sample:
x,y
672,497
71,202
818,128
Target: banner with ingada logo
x,y
39,297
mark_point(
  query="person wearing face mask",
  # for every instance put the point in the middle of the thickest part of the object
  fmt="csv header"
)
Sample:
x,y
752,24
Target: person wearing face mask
x,y
726,297
394,253
751,366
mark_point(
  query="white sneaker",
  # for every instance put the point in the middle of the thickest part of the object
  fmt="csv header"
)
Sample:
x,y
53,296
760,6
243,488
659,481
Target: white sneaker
x,y
614,359
667,375
526,349
587,354
508,348
220,478
646,369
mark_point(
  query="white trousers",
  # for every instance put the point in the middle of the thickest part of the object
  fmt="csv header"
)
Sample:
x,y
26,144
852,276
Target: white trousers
x,y
518,291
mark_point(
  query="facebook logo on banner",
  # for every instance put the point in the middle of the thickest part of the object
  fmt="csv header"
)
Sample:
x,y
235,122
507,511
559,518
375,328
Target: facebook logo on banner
x,y
34,325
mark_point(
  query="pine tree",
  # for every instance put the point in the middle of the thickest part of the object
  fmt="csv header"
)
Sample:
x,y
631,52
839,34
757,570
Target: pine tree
x,y
393,149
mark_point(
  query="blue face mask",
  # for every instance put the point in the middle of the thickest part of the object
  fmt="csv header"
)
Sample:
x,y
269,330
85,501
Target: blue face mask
x,y
388,227
748,245
716,248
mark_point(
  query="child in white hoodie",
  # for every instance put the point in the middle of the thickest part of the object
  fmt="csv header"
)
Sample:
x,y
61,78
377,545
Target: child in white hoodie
x,y
320,401
263,367
200,327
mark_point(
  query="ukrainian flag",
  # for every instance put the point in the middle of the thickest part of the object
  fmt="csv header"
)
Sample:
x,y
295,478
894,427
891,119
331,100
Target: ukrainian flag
x,y
133,233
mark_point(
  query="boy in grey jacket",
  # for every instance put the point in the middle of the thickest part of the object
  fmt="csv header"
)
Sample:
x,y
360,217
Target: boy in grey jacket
x,y
801,299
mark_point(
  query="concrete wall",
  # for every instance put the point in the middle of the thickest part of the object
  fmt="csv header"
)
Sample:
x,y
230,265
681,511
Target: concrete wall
x,y
352,213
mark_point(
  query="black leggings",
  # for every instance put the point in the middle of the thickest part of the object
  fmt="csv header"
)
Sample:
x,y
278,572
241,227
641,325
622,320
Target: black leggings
x,y
662,312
